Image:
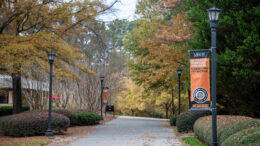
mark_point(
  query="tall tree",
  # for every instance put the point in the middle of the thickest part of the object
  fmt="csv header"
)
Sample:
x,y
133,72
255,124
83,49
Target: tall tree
x,y
158,44
29,29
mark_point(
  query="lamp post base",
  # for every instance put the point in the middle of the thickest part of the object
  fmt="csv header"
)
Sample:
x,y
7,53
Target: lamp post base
x,y
49,133
101,118
214,144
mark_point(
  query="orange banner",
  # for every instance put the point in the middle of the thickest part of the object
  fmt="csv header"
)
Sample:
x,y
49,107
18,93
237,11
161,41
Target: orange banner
x,y
200,79
105,96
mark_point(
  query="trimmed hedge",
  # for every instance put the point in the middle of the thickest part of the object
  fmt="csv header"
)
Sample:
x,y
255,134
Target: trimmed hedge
x,y
186,120
70,114
8,110
87,118
173,119
249,137
32,123
226,126
237,127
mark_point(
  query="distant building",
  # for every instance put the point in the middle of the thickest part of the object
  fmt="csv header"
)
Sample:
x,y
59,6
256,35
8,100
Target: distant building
x,y
6,94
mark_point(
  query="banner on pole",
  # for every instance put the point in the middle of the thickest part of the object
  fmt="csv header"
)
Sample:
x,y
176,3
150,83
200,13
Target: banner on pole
x,y
105,96
200,79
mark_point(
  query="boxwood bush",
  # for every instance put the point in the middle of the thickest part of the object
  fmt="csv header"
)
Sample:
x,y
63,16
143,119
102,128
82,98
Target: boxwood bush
x,y
249,137
186,120
8,110
228,131
226,126
32,123
70,114
87,118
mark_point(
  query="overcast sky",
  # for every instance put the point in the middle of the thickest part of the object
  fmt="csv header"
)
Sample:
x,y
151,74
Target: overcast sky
x,y
125,9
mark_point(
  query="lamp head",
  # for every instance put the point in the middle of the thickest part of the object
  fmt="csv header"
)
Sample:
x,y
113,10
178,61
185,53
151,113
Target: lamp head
x,y
213,14
51,56
101,77
106,88
179,71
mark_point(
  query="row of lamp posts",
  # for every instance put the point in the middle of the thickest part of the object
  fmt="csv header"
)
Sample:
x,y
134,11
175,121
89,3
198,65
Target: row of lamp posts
x,y
51,61
213,14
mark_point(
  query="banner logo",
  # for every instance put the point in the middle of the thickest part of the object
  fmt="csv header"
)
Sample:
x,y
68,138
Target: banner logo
x,y
200,95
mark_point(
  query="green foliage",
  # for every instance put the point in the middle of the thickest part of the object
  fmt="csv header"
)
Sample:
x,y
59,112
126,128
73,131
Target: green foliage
x,y
237,51
249,137
117,29
32,123
186,120
227,126
173,119
87,118
236,128
25,107
8,110
69,114
192,141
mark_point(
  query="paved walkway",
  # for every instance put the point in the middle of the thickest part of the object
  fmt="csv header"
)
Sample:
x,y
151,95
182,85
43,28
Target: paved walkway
x,y
131,131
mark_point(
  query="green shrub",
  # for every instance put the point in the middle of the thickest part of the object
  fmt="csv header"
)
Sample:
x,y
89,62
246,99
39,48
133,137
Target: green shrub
x,y
226,126
87,118
228,131
25,107
8,110
70,114
32,123
173,119
186,120
249,137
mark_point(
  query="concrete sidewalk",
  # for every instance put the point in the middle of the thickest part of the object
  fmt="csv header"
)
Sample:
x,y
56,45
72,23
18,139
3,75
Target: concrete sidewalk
x,y
131,131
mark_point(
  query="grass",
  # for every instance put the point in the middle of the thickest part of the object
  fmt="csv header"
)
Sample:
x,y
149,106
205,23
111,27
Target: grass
x,y
25,142
192,141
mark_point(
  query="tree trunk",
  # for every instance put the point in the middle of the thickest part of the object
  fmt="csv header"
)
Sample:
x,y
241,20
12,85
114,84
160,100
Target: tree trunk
x,y
132,112
166,110
17,93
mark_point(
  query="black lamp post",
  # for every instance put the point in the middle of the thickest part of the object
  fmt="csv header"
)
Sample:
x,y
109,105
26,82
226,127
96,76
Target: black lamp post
x,y
172,102
51,60
213,18
101,102
179,76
